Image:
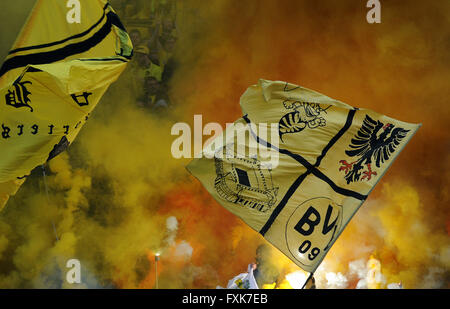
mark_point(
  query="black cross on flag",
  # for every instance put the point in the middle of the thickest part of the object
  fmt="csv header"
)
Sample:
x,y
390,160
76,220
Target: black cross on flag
x,y
308,199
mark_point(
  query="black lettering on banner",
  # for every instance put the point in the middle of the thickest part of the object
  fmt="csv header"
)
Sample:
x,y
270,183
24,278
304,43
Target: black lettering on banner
x,y
305,246
313,254
311,229
310,219
302,248
326,227
19,96
84,95
35,128
306,220
5,132
20,127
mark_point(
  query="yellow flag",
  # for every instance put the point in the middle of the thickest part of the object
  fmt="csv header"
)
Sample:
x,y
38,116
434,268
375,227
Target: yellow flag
x,y
298,165
63,61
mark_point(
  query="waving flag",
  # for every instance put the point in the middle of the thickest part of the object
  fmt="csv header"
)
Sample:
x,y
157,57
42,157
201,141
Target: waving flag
x,y
52,79
305,166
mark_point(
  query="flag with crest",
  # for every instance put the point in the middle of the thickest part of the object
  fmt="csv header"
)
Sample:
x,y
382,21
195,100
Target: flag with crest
x,y
298,165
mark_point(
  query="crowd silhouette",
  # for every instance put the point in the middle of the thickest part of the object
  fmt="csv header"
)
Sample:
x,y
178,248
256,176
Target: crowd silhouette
x,y
151,25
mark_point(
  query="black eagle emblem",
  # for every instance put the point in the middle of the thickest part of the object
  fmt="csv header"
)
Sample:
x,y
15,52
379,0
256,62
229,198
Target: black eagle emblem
x,y
375,141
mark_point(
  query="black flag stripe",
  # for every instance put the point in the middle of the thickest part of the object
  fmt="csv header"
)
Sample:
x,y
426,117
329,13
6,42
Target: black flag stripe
x,y
311,169
64,52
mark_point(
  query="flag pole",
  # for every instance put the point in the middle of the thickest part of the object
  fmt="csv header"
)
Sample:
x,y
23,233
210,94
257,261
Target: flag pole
x,y
48,200
156,269
307,280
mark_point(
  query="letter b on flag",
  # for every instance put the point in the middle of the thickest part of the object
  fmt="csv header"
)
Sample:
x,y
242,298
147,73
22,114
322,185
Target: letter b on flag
x,y
312,228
